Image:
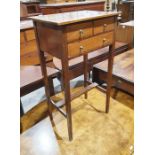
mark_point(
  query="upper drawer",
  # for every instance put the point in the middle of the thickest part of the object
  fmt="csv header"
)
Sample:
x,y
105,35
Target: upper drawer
x,y
84,46
79,31
104,25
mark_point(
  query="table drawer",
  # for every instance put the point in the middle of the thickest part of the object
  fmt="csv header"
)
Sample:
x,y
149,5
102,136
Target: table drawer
x,y
104,25
79,31
107,38
84,46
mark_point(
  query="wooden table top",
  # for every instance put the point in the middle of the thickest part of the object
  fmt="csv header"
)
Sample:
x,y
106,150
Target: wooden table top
x,y
72,17
70,4
123,66
32,74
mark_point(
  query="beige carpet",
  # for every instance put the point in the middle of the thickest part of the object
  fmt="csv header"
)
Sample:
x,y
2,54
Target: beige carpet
x,y
94,132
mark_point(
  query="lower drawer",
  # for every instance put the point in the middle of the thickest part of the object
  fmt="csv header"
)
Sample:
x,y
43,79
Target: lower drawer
x,y
80,47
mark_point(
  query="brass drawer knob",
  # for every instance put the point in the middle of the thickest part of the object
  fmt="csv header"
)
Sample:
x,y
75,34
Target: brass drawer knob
x,y
104,40
81,49
105,25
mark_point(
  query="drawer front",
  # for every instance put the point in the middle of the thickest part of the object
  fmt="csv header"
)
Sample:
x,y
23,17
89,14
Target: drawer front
x,y
104,25
79,31
80,47
106,39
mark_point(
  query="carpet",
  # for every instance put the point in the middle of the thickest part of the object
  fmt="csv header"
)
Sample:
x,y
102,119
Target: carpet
x,y
94,131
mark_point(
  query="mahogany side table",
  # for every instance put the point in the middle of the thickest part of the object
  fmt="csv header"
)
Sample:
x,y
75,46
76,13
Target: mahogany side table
x,y
69,35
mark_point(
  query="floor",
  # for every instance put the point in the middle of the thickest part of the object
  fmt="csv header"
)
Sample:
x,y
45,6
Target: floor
x,y
94,132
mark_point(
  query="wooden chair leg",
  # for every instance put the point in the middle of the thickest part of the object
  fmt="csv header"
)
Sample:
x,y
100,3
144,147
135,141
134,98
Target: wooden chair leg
x,y
109,77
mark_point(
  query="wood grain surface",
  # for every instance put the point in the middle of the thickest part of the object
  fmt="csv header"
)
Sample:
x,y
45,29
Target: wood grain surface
x,y
73,17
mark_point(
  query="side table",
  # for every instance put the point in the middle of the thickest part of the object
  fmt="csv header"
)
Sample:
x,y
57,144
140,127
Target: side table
x,y
69,35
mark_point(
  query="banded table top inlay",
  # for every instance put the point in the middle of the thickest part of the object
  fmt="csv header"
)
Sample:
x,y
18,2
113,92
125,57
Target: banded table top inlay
x,y
73,17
